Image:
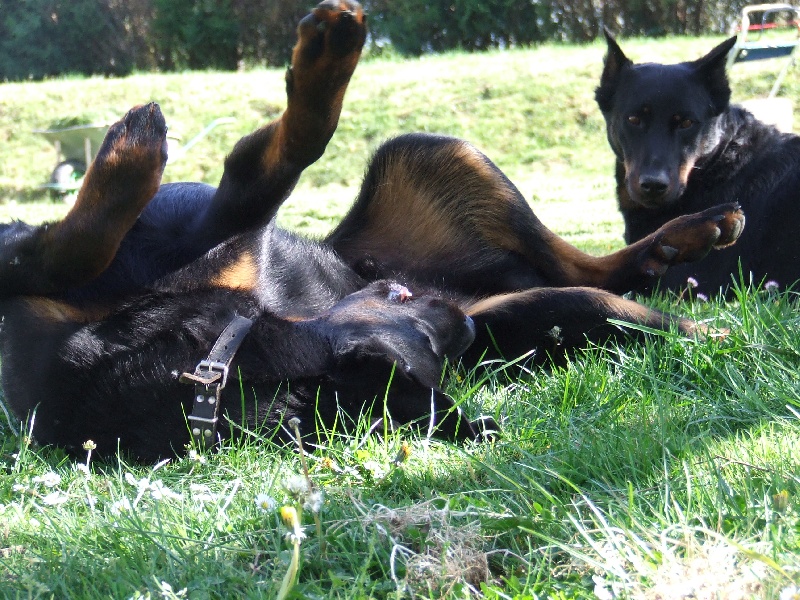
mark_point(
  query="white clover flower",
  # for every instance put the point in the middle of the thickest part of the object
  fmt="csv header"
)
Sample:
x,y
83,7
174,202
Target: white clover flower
x,y
378,470
121,506
55,498
49,479
314,501
265,502
83,468
791,592
195,456
296,486
772,286
692,282
701,297
18,487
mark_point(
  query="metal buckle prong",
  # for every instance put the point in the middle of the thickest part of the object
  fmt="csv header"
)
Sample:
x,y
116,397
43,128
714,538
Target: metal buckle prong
x,y
214,367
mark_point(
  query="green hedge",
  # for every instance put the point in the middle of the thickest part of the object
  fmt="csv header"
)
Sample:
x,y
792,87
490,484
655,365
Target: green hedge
x,y
41,38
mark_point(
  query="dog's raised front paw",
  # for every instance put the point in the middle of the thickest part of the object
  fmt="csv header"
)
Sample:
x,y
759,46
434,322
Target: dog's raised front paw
x,y
689,238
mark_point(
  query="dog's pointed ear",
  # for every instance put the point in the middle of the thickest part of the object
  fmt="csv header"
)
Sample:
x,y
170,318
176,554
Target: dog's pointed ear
x,y
412,354
614,63
710,70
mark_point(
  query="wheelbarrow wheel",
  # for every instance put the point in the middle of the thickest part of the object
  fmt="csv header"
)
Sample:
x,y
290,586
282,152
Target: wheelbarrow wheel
x,y
66,179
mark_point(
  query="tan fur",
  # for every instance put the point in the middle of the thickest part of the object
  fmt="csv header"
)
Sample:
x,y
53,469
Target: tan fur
x,y
53,311
241,275
445,217
685,171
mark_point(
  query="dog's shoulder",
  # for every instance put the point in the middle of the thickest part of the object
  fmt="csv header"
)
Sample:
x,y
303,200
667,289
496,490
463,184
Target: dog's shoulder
x,y
757,153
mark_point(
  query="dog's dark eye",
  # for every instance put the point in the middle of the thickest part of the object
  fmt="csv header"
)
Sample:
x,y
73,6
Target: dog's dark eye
x,y
681,122
634,120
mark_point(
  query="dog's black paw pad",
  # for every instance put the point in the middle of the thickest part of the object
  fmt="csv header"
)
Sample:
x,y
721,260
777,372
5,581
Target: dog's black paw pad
x,y
141,135
334,26
668,252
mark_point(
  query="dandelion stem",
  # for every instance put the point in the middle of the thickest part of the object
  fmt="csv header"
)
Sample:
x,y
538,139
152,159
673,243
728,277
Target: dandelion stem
x,y
288,580
294,423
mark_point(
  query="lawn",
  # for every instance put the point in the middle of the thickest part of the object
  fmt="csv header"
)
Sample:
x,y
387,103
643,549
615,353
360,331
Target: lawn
x,y
662,469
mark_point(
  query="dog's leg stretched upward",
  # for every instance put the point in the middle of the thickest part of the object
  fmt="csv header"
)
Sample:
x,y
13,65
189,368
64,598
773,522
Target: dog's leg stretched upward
x,y
124,179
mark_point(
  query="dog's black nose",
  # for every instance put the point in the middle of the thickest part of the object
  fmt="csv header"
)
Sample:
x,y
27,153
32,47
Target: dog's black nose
x,y
654,184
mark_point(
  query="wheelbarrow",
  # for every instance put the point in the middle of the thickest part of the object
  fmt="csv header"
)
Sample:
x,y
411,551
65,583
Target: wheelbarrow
x,y
77,146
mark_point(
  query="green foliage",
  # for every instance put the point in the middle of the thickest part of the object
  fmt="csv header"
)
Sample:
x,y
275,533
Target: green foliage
x,y
419,26
192,34
415,27
40,38
269,30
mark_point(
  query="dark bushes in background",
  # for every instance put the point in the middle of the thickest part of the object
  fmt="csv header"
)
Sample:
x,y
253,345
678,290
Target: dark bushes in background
x,y
41,38
418,26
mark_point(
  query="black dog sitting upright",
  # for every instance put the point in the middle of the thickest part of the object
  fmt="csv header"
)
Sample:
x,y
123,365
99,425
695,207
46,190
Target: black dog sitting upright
x,y
110,313
681,148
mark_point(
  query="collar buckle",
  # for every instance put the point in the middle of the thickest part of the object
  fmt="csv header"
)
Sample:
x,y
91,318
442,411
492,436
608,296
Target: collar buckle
x,y
209,377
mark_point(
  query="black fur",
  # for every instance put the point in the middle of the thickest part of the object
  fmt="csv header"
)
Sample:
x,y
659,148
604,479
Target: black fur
x,y
681,148
104,310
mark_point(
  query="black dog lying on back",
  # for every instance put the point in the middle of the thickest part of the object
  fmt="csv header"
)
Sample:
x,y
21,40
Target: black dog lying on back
x,y
681,148
124,321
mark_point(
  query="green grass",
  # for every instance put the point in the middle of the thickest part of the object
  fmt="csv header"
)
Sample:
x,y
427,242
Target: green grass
x,y
661,469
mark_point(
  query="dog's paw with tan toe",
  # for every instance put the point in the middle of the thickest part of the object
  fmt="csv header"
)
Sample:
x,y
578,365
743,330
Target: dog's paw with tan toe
x,y
689,238
138,140
335,29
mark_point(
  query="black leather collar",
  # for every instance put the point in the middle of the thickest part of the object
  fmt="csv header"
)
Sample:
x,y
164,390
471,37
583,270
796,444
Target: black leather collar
x,y
209,377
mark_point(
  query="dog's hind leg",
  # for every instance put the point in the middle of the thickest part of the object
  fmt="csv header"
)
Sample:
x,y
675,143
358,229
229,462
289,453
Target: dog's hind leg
x,y
264,166
553,321
436,210
433,209
120,182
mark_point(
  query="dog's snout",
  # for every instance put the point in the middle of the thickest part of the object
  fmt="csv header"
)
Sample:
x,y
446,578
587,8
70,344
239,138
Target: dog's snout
x,y
654,184
461,338
470,325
